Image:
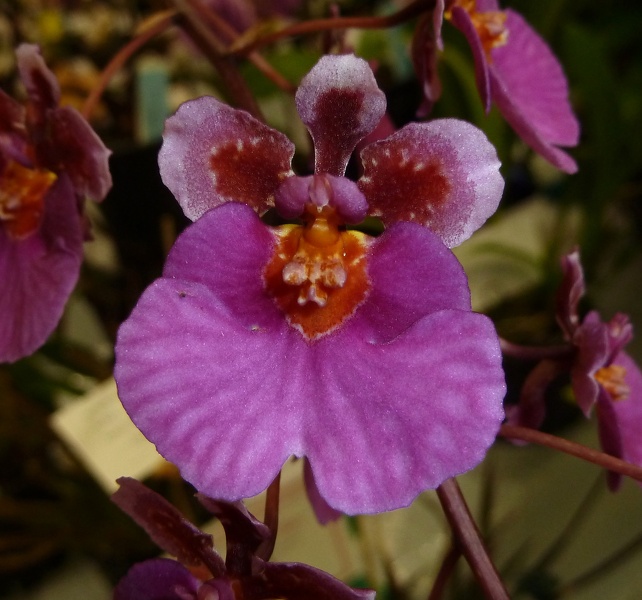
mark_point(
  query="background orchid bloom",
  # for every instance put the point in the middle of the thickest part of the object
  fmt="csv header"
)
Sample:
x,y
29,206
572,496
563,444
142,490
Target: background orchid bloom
x,y
604,378
50,161
514,68
316,340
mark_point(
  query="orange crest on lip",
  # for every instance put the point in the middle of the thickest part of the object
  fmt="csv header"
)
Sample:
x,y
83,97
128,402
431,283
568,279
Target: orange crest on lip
x,y
22,198
612,379
317,275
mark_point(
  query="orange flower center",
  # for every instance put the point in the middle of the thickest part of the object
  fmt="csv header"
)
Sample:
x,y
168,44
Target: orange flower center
x,y
22,198
317,275
490,25
611,378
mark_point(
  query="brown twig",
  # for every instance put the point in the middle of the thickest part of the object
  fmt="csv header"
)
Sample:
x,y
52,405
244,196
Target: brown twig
x,y
235,86
231,35
317,25
558,352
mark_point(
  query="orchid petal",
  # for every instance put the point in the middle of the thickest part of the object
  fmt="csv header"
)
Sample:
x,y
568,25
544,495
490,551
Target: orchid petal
x,y
42,87
165,524
426,43
530,89
72,146
462,20
609,434
431,413
244,533
213,153
569,294
413,275
213,306
38,274
591,340
157,579
295,581
340,103
322,510
628,411
443,174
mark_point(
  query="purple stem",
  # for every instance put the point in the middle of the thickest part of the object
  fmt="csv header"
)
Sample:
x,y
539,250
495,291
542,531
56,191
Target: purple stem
x,y
536,352
469,540
526,434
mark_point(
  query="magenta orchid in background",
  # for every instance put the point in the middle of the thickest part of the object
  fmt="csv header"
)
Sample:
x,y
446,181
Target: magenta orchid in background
x,y
313,339
50,161
246,572
603,376
514,67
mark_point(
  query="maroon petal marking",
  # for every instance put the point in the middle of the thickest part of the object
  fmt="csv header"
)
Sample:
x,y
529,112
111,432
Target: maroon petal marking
x,y
340,103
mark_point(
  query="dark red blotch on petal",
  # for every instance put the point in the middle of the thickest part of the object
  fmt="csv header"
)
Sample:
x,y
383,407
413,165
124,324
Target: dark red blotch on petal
x,y
248,170
414,190
337,116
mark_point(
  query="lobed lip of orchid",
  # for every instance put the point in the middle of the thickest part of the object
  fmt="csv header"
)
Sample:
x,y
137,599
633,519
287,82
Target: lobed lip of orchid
x,y
293,392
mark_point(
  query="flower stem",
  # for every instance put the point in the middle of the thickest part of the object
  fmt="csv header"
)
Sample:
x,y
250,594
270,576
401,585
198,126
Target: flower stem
x,y
607,461
469,540
535,352
317,25
234,84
